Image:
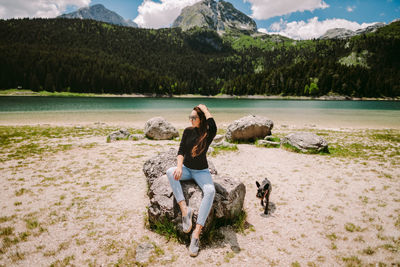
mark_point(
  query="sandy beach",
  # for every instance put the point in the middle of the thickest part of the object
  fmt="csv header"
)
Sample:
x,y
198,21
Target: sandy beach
x,y
70,198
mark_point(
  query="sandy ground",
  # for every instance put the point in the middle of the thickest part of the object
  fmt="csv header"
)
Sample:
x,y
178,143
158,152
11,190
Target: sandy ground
x,y
86,205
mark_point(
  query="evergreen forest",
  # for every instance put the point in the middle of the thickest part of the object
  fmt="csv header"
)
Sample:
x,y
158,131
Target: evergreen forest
x,y
86,56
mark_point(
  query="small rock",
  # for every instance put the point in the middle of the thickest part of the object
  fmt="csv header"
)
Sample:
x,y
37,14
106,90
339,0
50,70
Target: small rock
x,y
118,135
218,138
269,143
144,252
222,144
136,137
305,141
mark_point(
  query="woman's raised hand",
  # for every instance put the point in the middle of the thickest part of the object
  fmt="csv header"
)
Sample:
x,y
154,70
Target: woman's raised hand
x,y
203,108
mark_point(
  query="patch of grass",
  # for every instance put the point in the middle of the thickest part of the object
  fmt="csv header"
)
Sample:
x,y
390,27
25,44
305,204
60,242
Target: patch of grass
x,y
352,261
31,223
219,149
20,192
166,228
228,256
295,264
6,231
391,247
64,262
24,235
350,227
17,256
368,251
387,136
6,218
332,236
397,222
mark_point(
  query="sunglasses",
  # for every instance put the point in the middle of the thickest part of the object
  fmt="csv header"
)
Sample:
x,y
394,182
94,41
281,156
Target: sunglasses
x,y
193,118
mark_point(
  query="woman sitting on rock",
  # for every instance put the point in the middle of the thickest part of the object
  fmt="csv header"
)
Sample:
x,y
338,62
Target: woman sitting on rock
x,y
192,164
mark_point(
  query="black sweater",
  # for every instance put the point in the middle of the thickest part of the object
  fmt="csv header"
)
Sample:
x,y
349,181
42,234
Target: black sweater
x,y
189,138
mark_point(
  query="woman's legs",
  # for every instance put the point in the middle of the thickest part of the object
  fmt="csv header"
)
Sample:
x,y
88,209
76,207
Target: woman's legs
x,y
204,180
177,188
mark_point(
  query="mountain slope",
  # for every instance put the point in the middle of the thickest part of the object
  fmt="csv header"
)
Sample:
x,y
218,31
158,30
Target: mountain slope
x,y
100,13
88,56
220,16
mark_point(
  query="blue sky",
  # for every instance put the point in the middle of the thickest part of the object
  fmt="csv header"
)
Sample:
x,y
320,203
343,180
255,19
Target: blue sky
x,y
298,19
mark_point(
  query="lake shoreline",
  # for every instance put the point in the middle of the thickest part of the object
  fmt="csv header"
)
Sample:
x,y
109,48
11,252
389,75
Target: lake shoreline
x,y
17,92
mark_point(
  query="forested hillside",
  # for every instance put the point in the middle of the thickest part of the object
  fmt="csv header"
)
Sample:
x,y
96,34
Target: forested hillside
x,y
94,57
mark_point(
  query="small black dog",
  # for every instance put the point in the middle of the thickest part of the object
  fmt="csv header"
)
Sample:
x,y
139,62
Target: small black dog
x,y
263,191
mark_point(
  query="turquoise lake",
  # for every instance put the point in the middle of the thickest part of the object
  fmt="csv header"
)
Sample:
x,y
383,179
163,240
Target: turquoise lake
x,y
130,110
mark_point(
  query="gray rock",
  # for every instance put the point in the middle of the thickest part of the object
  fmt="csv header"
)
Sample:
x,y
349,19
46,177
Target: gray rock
x,y
118,135
143,252
136,137
159,129
306,142
218,138
228,202
222,144
158,165
249,128
269,143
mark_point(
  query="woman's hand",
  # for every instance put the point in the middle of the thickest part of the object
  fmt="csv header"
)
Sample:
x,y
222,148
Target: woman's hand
x,y
203,108
205,111
178,173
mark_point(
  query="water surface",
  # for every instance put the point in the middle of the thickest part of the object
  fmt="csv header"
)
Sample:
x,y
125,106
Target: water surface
x,y
135,111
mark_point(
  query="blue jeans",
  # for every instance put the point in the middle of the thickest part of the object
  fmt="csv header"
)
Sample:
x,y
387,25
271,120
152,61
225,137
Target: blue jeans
x,y
203,179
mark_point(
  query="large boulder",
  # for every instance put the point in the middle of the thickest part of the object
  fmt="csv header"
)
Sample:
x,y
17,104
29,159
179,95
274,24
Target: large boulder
x,y
159,129
163,209
306,142
249,128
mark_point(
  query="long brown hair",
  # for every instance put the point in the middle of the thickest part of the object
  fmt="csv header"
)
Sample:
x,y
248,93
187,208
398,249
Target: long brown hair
x,y
201,141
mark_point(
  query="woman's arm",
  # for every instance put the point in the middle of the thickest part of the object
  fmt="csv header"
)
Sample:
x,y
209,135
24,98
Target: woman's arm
x,y
212,127
181,154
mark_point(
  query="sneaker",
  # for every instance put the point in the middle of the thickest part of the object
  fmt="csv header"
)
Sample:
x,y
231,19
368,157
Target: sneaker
x,y
194,246
187,220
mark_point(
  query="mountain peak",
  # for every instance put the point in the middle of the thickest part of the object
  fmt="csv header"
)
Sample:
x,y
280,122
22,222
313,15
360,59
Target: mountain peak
x,y
100,13
220,16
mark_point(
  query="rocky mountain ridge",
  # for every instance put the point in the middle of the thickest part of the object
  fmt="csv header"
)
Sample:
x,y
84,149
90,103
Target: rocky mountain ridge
x,y
342,33
100,13
220,16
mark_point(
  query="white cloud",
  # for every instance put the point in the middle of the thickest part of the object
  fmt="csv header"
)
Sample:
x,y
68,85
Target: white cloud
x,y
350,8
158,15
264,9
37,8
313,28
